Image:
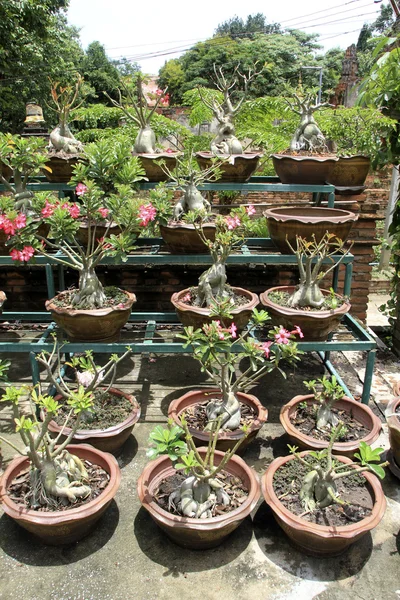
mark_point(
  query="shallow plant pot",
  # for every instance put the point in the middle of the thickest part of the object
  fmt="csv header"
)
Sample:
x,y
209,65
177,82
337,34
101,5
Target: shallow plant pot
x,y
96,325
393,423
226,439
67,526
285,223
61,168
197,317
306,170
182,238
321,540
197,534
82,234
316,325
360,412
107,440
3,298
239,170
151,164
350,171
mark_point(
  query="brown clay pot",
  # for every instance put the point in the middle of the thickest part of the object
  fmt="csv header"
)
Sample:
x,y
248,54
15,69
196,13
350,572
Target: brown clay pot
x,y
106,440
197,317
306,170
97,325
243,167
321,540
197,534
360,412
350,171
61,169
226,439
182,238
3,298
101,229
285,223
393,423
315,325
151,164
67,526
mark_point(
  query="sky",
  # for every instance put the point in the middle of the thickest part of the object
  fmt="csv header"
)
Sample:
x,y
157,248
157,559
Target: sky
x,y
153,31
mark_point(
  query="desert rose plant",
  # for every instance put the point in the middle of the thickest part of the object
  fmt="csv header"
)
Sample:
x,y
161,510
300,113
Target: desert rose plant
x,y
326,393
65,98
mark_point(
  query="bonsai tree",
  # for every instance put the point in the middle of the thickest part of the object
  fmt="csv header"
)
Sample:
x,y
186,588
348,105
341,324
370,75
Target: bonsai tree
x,y
318,487
225,142
145,142
326,393
308,136
310,258
65,99
25,157
57,477
214,347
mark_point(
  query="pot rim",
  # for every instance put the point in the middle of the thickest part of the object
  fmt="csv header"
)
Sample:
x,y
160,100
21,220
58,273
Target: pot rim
x,y
320,159
317,214
291,406
224,435
218,522
253,301
244,155
155,155
324,531
19,512
186,226
95,312
287,311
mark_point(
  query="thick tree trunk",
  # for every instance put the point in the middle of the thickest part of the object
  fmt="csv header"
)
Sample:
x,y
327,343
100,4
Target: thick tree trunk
x,y
90,293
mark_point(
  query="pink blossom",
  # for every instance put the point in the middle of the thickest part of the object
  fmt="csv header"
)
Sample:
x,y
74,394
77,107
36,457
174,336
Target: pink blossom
x,y
147,213
27,253
121,305
80,189
266,347
84,378
104,212
221,335
8,227
232,330
74,211
16,254
250,210
297,331
169,151
232,222
48,209
159,92
283,335
186,298
20,221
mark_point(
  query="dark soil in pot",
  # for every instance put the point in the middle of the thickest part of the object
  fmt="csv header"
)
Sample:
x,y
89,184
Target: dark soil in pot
x,y
304,420
196,415
237,299
281,298
114,297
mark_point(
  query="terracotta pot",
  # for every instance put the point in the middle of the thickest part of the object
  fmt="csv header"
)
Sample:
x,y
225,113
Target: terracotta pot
x,y
393,423
151,164
226,439
63,527
197,317
182,238
3,298
101,229
97,325
350,171
61,169
360,412
306,170
106,440
243,167
316,325
285,223
197,534
321,540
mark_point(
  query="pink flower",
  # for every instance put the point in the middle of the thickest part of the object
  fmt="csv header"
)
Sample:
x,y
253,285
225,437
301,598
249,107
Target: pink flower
x,y
147,213
186,298
74,211
15,254
169,151
266,347
80,189
104,212
159,92
250,210
232,330
8,227
283,335
84,378
27,253
221,335
48,209
121,305
232,222
298,331
20,221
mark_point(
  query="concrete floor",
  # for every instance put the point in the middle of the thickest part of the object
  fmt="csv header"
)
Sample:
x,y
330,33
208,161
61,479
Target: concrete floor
x,y
128,558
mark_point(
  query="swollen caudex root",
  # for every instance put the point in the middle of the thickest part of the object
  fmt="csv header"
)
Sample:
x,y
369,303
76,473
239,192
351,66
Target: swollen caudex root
x,y
211,285
317,492
192,199
306,295
196,498
62,139
226,410
326,419
90,292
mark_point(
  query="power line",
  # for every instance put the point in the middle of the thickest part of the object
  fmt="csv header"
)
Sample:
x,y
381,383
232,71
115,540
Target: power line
x,y
328,16
320,11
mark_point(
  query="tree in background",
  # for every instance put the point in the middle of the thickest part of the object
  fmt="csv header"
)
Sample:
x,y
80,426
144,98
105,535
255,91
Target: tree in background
x,y
236,27
100,73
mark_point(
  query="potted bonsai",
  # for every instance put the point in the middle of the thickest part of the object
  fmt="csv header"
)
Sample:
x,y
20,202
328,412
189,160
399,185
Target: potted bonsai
x,y
198,510
308,495
307,160
134,105
219,350
56,491
91,312
110,420
64,148
193,304
239,165
318,312
309,419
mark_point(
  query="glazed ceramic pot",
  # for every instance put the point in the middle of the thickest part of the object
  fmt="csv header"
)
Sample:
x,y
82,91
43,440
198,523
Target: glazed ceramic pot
x,y
182,238
350,171
61,169
151,164
197,317
237,168
107,440
285,223
197,534
360,412
67,526
226,439
393,422
96,325
306,170
321,540
315,325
